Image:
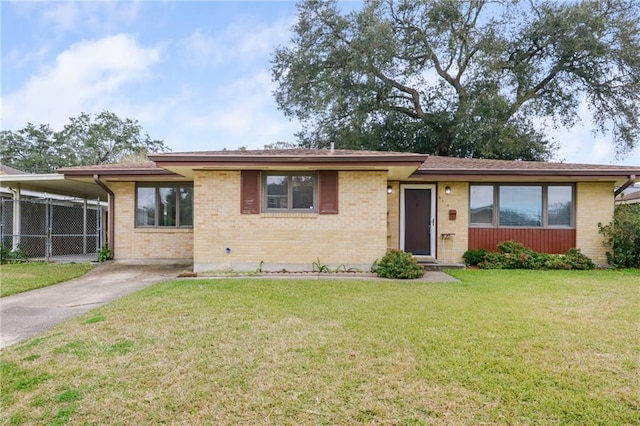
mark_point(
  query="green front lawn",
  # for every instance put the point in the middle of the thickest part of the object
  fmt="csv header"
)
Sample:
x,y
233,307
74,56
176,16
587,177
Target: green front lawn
x,y
500,347
19,277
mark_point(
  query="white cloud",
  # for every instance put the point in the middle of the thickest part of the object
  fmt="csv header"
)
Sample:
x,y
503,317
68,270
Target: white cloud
x,y
581,144
18,58
83,78
241,41
238,113
63,16
94,17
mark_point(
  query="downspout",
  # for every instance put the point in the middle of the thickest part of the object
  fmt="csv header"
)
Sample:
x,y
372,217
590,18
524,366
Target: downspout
x,y
631,181
110,233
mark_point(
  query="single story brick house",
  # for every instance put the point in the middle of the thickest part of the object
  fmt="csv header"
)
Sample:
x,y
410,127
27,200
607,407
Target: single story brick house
x,y
286,209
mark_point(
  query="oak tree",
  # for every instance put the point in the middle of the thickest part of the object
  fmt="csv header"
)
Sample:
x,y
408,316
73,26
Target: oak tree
x,y
474,78
86,140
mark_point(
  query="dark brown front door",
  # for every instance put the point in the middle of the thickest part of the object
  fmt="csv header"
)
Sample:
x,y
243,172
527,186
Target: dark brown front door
x,y
417,221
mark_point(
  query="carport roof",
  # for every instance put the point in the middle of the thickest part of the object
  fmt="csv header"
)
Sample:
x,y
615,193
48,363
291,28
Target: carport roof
x,y
53,184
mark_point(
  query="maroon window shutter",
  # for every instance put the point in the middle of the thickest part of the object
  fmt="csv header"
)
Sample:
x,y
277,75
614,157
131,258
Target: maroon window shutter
x,y
328,191
250,192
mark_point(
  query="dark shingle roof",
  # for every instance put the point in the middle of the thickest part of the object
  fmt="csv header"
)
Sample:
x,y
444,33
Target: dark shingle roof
x,y
285,153
629,196
453,163
6,170
116,166
432,166
452,166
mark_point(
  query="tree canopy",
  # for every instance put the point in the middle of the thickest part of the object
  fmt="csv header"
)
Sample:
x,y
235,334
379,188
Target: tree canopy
x,y
85,140
473,78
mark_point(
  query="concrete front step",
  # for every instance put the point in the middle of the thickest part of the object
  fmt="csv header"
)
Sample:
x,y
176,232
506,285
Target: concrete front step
x,y
440,266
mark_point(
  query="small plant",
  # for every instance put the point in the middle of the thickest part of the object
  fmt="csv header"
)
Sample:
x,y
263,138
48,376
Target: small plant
x,y
261,269
12,256
398,264
319,267
343,268
104,254
473,257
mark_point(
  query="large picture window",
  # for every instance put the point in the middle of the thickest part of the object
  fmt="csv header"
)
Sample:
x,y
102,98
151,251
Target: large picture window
x,y
524,206
290,192
164,205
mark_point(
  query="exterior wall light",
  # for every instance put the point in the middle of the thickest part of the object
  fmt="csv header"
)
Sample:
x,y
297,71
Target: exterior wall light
x,y
389,189
447,190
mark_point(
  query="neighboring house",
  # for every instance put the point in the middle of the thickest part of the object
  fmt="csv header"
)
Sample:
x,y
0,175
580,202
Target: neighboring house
x,y
285,209
629,196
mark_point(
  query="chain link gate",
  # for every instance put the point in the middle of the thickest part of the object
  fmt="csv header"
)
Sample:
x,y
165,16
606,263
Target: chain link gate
x,y
47,228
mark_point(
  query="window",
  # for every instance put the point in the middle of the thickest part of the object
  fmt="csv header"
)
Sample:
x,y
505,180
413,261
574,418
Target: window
x,y
290,192
164,205
481,204
526,206
559,205
520,206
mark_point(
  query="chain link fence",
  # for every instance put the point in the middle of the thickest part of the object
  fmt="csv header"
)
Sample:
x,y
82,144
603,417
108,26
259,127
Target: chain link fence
x,y
46,228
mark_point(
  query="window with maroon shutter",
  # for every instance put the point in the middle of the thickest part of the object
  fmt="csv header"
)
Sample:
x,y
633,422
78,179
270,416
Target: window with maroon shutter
x,y
328,192
250,192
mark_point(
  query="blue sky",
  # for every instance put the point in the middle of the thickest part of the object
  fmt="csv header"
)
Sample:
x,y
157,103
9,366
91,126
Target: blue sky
x,y
195,74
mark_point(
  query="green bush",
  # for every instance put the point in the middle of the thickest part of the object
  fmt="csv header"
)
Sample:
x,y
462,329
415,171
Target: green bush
x,y
398,264
577,260
473,257
12,256
104,254
512,255
623,236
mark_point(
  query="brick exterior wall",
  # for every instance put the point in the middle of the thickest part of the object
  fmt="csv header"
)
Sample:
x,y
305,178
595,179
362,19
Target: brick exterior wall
x,y
367,225
356,236
393,216
452,238
145,244
594,204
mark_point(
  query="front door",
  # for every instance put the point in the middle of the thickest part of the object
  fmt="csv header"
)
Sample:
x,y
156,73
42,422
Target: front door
x,y
418,219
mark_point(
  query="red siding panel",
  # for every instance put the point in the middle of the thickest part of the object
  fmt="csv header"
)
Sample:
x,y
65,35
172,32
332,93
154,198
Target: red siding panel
x,y
328,192
250,192
539,239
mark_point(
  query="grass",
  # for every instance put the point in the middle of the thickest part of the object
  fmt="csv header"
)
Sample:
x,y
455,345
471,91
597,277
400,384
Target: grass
x,y
19,277
500,347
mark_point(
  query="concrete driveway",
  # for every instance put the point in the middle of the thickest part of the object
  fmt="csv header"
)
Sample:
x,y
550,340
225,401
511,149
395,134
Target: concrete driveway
x,y
27,314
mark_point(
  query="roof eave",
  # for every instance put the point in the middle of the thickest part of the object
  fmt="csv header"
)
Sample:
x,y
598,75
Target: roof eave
x,y
591,174
217,160
88,173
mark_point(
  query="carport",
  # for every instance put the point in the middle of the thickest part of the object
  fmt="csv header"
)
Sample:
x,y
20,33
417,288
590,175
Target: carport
x,y
52,218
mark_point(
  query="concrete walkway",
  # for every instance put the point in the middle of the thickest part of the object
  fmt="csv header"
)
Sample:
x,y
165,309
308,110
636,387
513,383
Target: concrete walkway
x,y
27,314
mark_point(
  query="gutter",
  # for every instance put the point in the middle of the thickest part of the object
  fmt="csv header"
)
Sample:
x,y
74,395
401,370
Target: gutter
x,y
111,224
631,181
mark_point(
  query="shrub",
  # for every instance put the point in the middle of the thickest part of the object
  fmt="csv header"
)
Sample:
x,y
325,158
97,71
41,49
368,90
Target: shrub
x,y
623,236
473,257
517,256
577,260
399,264
104,254
512,255
12,256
